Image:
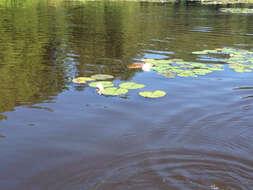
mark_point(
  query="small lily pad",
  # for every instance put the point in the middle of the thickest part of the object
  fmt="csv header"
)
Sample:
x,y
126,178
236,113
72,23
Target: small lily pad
x,y
2,136
82,80
131,85
114,91
103,83
150,94
102,77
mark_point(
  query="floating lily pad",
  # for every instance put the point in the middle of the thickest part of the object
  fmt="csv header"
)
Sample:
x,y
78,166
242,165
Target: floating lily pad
x,y
3,117
2,136
114,91
131,85
150,94
82,80
168,75
104,84
102,77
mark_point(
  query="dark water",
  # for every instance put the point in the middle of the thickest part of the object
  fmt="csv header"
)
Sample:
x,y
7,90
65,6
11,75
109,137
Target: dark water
x,y
56,135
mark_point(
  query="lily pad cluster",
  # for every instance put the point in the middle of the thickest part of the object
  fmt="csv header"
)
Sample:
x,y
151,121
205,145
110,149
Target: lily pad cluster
x,y
178,67
237,10
83,80
107,87
239,60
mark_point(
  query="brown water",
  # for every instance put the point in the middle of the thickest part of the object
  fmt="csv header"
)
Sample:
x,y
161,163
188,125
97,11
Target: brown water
x,y
57,135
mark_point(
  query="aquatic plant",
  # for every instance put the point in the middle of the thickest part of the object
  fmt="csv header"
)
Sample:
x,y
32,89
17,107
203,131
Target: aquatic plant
x,y
239,60
131,85
82,80
101,83
102,77
178,67
114,91
150,94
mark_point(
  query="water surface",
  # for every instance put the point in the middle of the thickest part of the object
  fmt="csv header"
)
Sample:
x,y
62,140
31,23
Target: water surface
x,y
57,135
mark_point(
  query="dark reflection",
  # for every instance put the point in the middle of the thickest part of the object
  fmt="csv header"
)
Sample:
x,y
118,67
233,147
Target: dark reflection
x,y
44,44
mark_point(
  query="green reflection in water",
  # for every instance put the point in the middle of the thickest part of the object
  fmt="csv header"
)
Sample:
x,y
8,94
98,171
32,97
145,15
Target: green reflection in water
x,y
44,44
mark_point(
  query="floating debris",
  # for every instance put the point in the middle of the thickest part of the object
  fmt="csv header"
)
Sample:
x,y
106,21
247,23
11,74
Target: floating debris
x,y
100,88
146,67
137,65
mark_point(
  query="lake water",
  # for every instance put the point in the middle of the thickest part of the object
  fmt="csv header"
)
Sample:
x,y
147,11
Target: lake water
x,y
58,135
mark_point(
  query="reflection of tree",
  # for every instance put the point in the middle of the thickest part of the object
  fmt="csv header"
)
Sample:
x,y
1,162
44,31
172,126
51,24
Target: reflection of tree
x,y
42,44
28,72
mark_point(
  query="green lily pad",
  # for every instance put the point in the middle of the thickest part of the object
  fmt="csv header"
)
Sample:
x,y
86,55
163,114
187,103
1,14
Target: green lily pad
x,y
102,77
104,84
131,85
82,80
114,91
2,136
168,75
150,94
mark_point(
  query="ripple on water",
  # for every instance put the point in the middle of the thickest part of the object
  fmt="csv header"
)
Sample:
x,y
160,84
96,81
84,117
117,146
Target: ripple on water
x,y
156,170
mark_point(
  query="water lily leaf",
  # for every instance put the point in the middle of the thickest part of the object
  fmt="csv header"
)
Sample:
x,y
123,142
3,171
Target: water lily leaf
x,y
114,91
82,80
2,136
103,83
242,70
202,71
102,77
151,61
131,85
186,74
150,94
168,75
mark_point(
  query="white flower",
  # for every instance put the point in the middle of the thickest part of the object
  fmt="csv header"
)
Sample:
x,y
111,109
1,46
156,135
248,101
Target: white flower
x,y
100,88
146,67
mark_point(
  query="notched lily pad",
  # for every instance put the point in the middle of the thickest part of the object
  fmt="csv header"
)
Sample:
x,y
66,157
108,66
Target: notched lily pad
x,y
150,94
102,77
103,83
131,85
82,80
114,91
